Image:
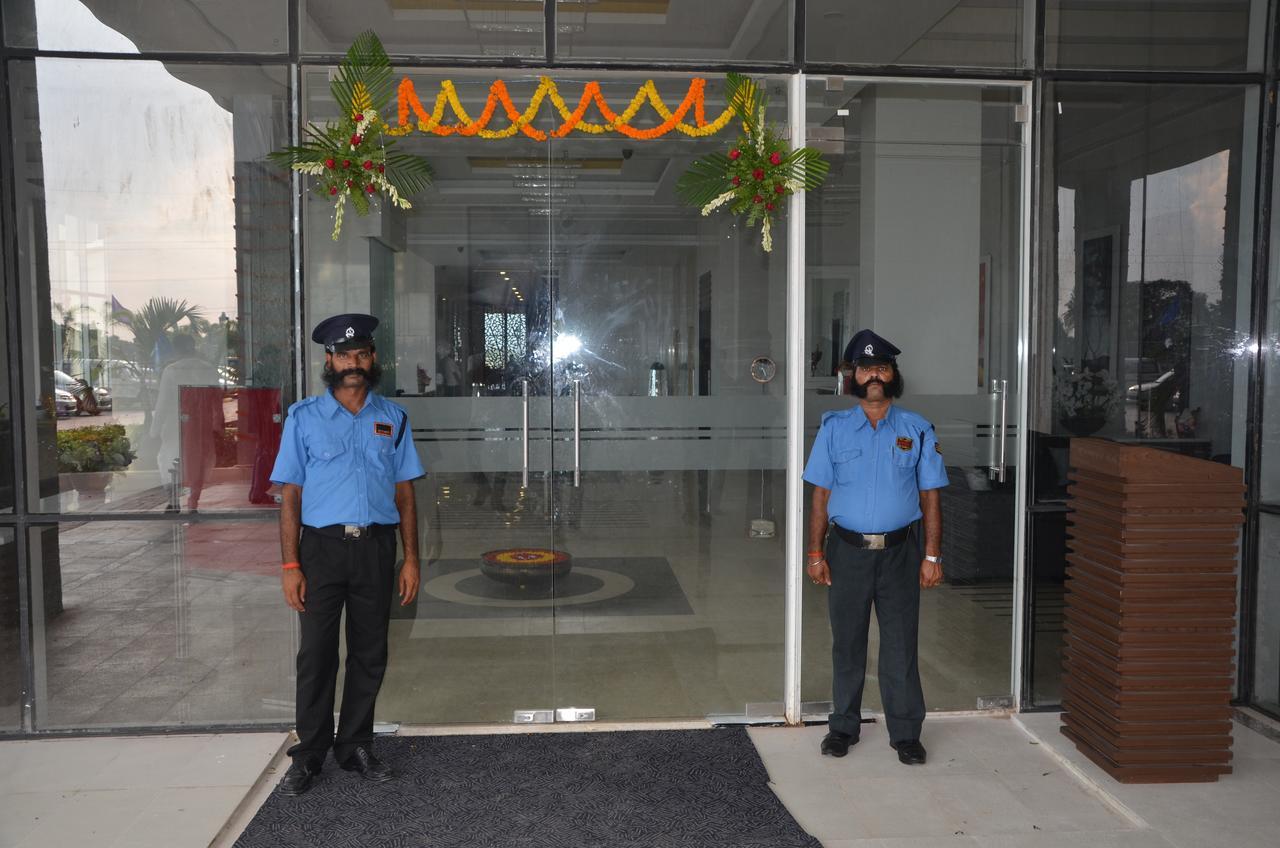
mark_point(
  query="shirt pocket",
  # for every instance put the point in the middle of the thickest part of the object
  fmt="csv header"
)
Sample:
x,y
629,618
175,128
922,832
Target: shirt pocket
x,y
381,451
845,463
906,459
325,449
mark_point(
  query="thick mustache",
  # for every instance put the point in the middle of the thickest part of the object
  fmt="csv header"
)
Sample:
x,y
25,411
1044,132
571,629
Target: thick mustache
x,y
350,371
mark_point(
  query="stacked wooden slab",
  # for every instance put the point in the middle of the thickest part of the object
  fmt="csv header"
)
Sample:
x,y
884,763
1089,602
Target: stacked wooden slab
x,y
1150,611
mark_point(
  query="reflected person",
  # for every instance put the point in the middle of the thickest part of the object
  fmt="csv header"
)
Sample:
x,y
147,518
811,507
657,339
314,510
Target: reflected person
x,y
196,438
876,470
346,465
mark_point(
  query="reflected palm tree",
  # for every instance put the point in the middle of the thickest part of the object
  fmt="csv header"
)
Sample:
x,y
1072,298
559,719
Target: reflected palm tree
x,y
151,325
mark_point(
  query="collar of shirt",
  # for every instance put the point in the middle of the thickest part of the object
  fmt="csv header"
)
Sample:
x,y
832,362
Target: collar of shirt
x,y
329,404
859,417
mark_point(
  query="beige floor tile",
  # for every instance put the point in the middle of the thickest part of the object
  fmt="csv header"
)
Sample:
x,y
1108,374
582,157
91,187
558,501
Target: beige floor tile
x,y
92,818
182,817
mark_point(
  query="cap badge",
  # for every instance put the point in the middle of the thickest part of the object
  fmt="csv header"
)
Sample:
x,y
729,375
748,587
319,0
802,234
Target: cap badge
x,y
868,350
351,332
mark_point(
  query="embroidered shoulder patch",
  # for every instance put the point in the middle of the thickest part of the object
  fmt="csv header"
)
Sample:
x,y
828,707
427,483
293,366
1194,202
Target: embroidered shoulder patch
x,y
905,443
381,428
937,447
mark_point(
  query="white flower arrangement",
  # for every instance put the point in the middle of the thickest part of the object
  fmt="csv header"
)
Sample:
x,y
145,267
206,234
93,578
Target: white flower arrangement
x,y
1081,392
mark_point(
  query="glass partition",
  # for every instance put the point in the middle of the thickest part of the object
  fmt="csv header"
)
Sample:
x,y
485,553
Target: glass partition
x,y
916,236
1141,325
964,34
133,26
154,240
147,623
675,30
486,29
12,673
1214,35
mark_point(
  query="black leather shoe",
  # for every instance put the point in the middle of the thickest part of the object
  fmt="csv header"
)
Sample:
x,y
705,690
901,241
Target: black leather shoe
x,y
836,744
297,779
910,751
367,765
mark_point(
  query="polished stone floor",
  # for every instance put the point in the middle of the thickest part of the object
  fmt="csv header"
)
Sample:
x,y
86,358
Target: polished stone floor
x,y
171,623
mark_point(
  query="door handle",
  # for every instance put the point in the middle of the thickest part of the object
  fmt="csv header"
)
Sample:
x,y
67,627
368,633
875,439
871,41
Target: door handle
x,y
999,425
524,434
999,429
577,433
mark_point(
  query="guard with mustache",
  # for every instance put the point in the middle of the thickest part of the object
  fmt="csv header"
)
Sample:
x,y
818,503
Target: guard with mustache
x,y
346,468
876,471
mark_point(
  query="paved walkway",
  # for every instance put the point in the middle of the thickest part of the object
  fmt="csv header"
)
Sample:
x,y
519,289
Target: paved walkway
x,y
991,782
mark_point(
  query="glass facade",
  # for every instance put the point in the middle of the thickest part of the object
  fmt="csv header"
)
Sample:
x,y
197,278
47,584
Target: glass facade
x,y
582,356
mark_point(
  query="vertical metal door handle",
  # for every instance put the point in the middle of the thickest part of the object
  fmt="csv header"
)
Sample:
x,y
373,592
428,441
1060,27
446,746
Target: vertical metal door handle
x,y
524,434
1004,426
577,433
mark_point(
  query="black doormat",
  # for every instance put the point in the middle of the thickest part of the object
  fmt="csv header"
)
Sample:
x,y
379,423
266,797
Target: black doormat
x,y
633,789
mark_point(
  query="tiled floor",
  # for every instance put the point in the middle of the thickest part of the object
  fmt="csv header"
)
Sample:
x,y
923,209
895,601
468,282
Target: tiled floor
x,y
989,783
140,792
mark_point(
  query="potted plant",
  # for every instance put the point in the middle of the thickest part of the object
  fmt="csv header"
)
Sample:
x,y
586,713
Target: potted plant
x,y
88,456
1085,398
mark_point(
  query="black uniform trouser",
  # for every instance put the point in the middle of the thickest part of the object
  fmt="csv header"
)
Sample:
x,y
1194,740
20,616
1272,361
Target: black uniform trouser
x,y
360,575
890,579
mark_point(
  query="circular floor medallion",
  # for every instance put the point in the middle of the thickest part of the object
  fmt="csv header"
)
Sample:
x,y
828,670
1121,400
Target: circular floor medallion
x,y
525,566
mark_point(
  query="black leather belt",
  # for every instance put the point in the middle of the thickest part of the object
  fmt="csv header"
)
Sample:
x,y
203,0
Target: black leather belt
x,y
873,541
351,532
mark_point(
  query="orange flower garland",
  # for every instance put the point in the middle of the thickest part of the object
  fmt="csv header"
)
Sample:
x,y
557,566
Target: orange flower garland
x,y
573,120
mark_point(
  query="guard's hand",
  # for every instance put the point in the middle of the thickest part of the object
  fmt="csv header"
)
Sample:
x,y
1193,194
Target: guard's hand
x,y
410,577
295,588
818,572
930,574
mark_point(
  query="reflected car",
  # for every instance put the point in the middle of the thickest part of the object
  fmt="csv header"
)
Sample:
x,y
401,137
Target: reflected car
x,y
64,403
63,380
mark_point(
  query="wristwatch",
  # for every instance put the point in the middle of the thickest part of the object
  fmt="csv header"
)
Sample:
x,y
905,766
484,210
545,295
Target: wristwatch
x,y
934,559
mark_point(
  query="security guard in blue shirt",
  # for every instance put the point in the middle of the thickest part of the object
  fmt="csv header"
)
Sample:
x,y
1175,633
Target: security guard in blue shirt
x,y
876,470
346,466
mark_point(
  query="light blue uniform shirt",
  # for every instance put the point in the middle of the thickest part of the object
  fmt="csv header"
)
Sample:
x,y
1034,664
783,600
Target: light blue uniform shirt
x,y
875,474
347,465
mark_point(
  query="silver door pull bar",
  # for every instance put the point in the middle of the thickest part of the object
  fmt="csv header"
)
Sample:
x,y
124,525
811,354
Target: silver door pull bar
x,y
524,434
577,433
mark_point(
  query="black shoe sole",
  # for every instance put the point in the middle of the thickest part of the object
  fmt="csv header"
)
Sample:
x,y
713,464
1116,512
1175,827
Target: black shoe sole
x,y
827,753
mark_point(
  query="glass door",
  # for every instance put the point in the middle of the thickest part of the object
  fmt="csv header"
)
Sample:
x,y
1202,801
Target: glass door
x,y
668,454
917,235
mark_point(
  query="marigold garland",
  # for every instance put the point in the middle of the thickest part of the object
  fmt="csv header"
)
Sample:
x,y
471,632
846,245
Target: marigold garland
x,y
573,119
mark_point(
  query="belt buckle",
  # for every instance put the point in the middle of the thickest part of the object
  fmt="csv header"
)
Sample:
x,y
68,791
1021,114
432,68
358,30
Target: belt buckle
x,y
875,541
352,531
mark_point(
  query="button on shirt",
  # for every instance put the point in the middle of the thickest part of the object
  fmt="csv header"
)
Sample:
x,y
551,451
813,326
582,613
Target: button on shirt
x,y
347,465
875,474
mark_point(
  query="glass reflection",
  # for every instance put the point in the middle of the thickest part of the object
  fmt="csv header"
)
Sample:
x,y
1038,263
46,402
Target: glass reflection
x,y
161,623
1147,338
153,273
1216,35
12,684
130,26
688,30
967,33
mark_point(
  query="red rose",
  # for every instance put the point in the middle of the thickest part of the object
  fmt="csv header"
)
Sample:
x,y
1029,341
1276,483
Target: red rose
x,y
351,184
346,163
329,163
776,158
333,189
737,180
779,188
355,140
369,188
359,117
758,173
381,168
735,153
758,199
769,206
368,164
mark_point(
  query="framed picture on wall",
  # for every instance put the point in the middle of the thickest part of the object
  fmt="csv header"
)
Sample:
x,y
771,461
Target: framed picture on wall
x,y
1097,306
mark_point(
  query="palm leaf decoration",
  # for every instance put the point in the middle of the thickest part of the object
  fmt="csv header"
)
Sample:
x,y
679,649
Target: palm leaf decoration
x,y
351,158
759,172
